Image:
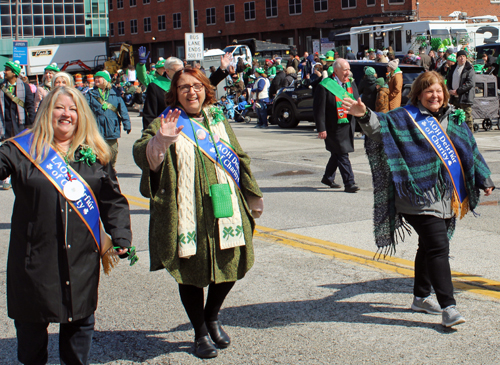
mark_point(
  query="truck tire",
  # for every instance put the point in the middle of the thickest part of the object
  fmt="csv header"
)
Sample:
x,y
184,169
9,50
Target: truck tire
x,y
285,115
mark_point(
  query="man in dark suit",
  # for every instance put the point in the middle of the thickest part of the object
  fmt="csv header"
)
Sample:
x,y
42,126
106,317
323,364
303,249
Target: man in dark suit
x,y
335,126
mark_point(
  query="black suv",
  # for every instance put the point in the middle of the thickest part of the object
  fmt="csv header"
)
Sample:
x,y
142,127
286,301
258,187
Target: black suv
x,y
294,104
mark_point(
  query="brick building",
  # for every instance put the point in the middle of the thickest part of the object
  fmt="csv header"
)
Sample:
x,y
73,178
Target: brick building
x,y
160,24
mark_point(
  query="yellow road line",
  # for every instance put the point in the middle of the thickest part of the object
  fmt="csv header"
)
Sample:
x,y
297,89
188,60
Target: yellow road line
x,y
135,200
471,283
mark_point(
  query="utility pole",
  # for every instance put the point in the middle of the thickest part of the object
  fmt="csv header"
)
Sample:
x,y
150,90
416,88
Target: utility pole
x,y
191,15
16,25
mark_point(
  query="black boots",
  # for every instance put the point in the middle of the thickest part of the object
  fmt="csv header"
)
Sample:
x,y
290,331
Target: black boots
x,y
219,336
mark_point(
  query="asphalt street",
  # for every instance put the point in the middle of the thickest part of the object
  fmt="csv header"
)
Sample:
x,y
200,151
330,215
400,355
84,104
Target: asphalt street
x,y
315,294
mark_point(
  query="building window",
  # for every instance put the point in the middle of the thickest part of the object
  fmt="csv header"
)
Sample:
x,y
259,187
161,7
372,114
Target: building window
x,y
371,2
250,10
111,29
133,26
395,40
210,16
119,4
348,4
144,2
271,8
110,5
177,20
320,5
295,7
229,13
396,1
161,22
147,25
121,28
133,3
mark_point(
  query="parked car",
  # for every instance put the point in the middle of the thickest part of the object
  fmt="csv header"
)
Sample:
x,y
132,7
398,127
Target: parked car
x,y
294,104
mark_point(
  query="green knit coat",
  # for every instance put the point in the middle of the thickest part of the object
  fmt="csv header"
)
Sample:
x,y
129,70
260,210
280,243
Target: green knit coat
x,y
210,264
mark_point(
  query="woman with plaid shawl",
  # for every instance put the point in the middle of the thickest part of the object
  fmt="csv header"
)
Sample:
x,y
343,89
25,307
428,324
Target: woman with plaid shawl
x,y
427,171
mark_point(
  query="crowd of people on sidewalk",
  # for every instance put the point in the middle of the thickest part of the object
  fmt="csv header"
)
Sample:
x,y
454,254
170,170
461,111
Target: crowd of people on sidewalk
x,y
60,145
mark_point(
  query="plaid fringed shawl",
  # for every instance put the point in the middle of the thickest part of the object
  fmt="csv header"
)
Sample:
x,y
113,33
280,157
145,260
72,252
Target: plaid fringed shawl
x,y
405,163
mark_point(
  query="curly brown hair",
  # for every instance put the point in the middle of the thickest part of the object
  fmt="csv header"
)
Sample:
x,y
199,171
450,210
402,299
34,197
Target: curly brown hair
x,y
171,98
423,81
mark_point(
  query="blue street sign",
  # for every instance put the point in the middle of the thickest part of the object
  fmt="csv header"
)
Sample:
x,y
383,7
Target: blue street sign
x,y
21,52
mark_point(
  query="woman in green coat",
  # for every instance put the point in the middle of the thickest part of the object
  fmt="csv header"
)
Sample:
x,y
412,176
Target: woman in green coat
x,y
197,243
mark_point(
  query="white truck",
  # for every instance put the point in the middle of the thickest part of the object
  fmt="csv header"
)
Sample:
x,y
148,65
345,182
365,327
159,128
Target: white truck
x,y
405,36
91,54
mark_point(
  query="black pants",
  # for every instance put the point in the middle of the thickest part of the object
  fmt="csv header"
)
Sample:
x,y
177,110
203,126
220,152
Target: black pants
x,y
75,339
432,266
200,313
340,161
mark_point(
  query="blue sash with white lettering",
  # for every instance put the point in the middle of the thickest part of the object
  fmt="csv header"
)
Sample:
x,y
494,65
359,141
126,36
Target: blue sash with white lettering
x,y
230,162
439,140
54,169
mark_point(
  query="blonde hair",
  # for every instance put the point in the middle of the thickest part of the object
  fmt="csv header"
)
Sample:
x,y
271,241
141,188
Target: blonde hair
x,y
66,76
87,133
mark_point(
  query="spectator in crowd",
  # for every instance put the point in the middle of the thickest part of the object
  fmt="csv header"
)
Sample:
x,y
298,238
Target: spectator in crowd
x,y
380,57
409,58
349,55
278,82
395,82
18,107
62,79
382,103
109,110
291,77
460,83
425,60
46,86
260,94
367,87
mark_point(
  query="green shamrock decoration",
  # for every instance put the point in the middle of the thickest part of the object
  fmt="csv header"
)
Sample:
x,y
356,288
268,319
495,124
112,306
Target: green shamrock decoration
x,y
460,116
88,156
217,115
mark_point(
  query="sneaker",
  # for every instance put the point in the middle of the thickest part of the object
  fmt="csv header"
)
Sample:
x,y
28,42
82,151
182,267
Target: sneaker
x,y
427,305
451,316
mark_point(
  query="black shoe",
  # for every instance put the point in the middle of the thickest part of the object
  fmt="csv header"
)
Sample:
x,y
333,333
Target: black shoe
x,y
204,348
351,188
258,126
327,182
219,336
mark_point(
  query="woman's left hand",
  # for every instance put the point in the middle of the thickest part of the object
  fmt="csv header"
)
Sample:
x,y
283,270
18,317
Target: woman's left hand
x,y
353,107
121,251
488,191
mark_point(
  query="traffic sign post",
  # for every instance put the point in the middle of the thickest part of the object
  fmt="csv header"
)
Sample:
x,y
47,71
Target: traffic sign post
x,y
194,46
20,52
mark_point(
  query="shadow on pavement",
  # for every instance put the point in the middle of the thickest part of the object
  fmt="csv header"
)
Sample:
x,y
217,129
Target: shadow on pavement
x,y
335,308
128,175
110,346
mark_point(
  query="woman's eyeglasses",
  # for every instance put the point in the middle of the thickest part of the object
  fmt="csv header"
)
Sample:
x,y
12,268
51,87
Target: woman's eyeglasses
x,y
186,88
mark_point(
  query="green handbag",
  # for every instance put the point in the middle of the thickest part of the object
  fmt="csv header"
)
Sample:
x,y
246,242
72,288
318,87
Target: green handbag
x,y
221,200
220,194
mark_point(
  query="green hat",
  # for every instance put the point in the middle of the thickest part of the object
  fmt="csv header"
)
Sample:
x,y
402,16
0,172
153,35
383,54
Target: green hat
x,y
322,57
330,56
14,66
452,58
104,74
381,82
160,63
279,67
371,50
369,71
52,67
260,70
442,50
